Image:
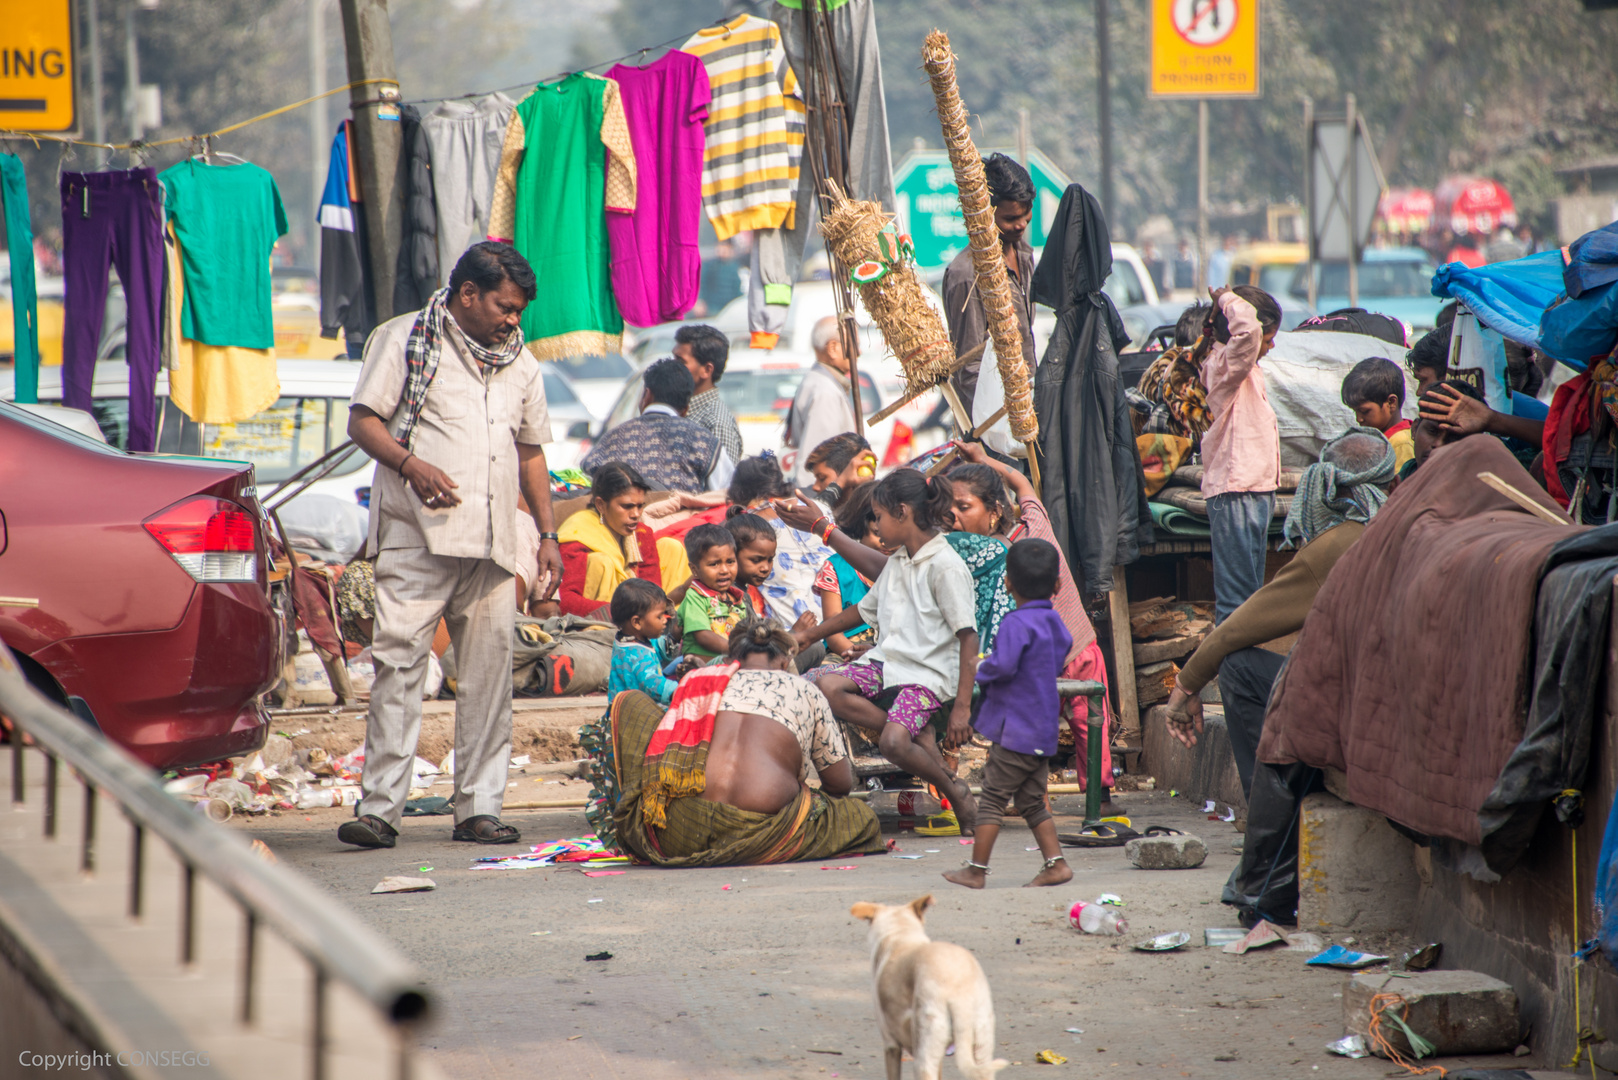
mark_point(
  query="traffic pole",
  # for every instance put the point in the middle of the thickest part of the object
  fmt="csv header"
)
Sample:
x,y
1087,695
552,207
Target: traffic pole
x,y
377,140
1202,192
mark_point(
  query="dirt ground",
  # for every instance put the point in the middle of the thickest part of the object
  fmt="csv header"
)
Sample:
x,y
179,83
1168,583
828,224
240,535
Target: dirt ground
x,y
761,971
546,729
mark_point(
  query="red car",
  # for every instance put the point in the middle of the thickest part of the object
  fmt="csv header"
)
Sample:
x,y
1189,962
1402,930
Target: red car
x,y
135,590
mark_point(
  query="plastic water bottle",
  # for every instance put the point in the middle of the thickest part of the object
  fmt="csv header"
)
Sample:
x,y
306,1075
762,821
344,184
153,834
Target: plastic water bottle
x,y
1098,918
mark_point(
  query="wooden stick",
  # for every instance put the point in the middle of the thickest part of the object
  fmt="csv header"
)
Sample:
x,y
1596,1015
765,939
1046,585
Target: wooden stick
x,y
988,260
1033,469
1533,506
1123,650
915,392
977,432
963,415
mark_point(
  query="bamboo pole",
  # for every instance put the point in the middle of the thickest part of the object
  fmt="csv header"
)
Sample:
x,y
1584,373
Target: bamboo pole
x,y
988,260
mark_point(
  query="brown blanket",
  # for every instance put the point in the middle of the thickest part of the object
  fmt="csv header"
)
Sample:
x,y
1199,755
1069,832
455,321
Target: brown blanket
x,y
1411,672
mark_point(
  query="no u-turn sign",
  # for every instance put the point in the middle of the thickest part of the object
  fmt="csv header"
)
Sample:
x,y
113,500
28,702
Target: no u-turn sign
x,y
1204,49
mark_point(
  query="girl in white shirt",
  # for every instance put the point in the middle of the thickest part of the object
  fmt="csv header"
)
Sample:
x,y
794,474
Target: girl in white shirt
x,y
923,608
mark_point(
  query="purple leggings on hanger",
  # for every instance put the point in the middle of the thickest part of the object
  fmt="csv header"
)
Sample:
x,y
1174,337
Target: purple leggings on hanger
x,y
114,218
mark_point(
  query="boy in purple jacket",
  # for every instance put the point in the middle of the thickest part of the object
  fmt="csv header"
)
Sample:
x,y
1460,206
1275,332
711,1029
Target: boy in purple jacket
x,y
1021,714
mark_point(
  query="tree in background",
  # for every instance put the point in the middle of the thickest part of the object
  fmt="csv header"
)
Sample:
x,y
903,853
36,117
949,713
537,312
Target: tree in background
x,y
1509,88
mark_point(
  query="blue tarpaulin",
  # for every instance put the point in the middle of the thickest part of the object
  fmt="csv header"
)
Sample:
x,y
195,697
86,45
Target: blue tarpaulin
x,y
1525,300
1507,297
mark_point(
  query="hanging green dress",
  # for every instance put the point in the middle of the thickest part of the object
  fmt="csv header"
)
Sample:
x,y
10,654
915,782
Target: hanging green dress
x,y
567,163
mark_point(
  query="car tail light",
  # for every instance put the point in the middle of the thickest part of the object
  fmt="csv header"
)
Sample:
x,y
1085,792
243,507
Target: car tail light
x,y
212,539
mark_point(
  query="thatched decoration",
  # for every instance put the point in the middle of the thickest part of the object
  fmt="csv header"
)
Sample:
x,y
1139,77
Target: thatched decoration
x,y
988,260
913,328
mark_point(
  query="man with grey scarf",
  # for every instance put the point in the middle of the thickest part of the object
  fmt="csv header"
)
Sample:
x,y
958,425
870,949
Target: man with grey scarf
x,y
1336,497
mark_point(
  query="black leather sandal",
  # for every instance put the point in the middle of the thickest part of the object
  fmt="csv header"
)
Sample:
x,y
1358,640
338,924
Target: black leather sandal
x,y
486,829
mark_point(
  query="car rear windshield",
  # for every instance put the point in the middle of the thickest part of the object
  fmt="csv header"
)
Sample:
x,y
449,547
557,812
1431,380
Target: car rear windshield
x,y
608,366
1383,280
754,393
55,430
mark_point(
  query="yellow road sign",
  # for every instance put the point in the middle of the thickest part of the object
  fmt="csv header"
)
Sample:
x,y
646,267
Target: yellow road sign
x,y
1204,49
36,65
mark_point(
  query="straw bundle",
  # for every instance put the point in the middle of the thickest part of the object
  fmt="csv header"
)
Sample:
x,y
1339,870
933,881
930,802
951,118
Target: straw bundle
x,y
912,327
987,259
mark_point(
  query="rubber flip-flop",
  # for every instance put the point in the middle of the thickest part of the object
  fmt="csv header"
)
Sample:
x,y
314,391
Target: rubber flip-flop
x,y
1099,835
951,826
1162,830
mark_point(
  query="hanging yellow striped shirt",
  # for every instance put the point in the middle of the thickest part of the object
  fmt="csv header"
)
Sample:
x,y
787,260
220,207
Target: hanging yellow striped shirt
x,y
755,126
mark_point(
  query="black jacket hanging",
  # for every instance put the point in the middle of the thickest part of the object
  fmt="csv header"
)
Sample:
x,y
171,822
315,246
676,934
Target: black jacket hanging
x,y
416,273
1094,490
345,287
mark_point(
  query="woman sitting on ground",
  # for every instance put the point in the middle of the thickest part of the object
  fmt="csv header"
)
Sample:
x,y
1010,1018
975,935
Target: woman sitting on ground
x,y
605,545
720,778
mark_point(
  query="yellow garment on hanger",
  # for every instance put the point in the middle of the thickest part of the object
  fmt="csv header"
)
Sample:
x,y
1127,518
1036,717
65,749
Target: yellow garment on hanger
x,y
221,384
216,384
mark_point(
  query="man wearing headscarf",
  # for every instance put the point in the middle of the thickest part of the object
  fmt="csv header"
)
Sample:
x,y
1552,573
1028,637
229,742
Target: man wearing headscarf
x,y
1336,497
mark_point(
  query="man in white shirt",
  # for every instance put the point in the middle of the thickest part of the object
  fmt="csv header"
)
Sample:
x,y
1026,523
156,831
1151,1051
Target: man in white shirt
x,y
824,405
452,408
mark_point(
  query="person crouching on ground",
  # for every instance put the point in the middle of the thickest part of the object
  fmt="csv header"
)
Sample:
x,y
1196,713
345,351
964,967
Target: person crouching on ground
x,y
923,607
1375,390
1022,714
1241,451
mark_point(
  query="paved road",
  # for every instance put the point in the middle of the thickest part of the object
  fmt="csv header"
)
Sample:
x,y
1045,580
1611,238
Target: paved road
x,y
753,980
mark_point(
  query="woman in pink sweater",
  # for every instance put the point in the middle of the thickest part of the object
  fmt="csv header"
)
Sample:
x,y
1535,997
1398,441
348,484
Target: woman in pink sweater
x,y
1241,452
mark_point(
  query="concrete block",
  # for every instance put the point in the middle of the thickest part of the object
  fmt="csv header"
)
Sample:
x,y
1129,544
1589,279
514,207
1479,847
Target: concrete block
x,y
1354,872
1166,852
1202,772
1459,1012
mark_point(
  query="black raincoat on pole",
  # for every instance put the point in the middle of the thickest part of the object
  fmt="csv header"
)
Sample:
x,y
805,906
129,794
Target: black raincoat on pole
x,y
1094,490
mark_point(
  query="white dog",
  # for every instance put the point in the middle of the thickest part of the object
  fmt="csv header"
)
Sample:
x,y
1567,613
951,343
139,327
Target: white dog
x,y
928,994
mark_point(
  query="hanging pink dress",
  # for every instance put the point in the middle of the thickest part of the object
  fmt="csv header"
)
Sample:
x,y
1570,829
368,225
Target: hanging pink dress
x,y
656,264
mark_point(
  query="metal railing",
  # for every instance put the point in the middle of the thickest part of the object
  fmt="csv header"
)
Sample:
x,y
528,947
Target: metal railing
x,y
337,945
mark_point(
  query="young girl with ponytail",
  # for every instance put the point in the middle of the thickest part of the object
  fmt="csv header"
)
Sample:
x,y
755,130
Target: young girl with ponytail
x,y
923,608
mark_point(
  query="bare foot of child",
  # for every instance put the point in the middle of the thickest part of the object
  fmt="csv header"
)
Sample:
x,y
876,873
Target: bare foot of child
x,y
971,877
1056,871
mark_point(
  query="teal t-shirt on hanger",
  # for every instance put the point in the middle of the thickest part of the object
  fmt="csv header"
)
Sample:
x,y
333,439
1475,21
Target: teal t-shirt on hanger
x,y
227,218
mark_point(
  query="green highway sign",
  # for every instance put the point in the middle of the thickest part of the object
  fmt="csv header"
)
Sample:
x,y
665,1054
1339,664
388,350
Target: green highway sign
x,y
930,204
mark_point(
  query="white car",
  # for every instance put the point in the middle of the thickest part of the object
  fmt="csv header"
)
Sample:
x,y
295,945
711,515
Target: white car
x,y
758,388
307,420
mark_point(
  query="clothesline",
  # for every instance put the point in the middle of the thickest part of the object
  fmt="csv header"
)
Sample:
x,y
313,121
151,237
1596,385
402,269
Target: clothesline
x,y
671,43
137,145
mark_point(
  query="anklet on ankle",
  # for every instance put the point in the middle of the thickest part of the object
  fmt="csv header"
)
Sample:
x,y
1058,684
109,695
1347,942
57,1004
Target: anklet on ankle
x,y
977,866
1053,860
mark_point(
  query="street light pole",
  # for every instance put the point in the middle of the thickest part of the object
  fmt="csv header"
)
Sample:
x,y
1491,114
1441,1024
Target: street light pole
x,y
319,135
98,119
132,73
1104,107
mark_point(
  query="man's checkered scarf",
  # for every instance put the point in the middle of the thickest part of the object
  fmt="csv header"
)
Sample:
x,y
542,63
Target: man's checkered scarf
x,y
421,359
